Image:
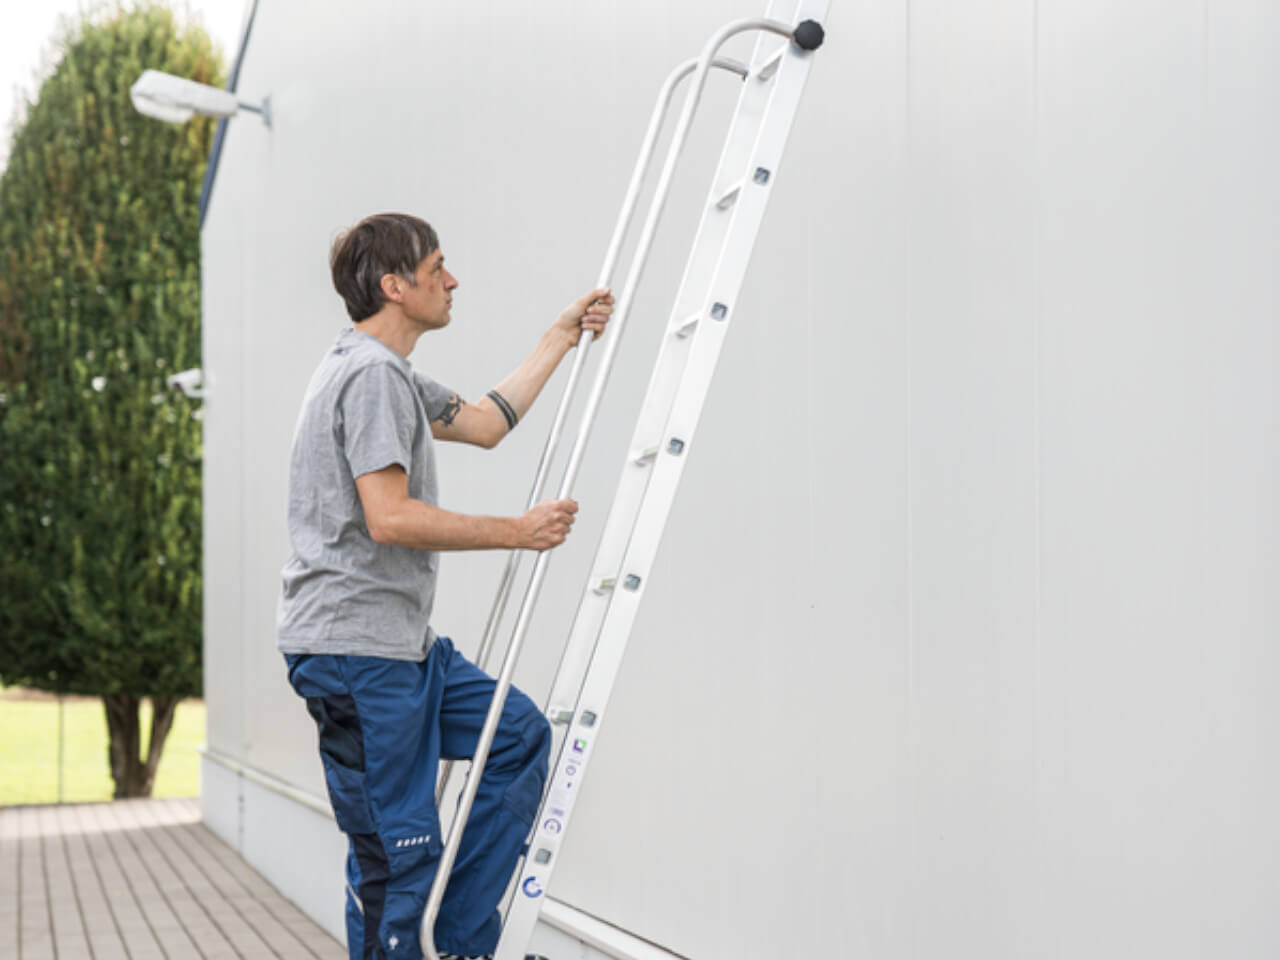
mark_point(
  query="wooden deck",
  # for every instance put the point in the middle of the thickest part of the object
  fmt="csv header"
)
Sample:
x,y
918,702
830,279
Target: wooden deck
x,y
138,880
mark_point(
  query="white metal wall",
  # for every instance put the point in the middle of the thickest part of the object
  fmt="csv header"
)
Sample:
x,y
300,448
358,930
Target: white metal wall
x,y
963,640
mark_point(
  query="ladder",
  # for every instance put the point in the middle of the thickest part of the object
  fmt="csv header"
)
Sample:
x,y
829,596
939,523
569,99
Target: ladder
x,y
703,309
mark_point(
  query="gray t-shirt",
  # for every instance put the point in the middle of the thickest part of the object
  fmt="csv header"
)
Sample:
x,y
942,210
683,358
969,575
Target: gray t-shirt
x,y
365,409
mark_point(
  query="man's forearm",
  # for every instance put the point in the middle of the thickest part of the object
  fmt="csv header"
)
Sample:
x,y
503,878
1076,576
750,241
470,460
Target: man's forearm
x,y
522,386
425,527
506,404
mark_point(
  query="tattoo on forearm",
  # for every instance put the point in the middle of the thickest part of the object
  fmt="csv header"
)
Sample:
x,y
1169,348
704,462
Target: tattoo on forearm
x,y
451,410
506,409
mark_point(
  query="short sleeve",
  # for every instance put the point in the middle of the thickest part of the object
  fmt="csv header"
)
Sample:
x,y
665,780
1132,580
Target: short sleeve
x,y
434,396
379,415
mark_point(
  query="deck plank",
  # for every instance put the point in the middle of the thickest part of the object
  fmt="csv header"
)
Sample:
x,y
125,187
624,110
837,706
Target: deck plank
x,y
95,914
69,935
304,929
131,914
139,880
192,913
10,888
35,927
234,880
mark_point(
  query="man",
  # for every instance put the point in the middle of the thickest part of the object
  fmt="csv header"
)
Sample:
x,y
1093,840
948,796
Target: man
x,y
389,696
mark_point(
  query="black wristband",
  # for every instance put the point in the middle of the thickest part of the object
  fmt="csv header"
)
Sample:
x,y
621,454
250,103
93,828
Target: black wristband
x,y
507,410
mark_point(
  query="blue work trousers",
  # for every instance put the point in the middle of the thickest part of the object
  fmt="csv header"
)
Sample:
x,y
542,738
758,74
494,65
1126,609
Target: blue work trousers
x,y
384,726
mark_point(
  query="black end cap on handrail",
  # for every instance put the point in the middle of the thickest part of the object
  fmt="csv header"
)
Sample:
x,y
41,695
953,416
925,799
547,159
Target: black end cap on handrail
x,y
808,35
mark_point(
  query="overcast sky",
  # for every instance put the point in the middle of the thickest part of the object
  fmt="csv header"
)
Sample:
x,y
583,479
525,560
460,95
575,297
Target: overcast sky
x,y
27,28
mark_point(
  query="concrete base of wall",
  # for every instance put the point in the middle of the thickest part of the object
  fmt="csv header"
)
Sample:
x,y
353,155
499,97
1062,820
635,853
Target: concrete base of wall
x,y
290,838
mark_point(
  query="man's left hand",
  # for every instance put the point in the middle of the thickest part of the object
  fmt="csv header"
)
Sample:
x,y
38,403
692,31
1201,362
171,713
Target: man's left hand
x,y
589,312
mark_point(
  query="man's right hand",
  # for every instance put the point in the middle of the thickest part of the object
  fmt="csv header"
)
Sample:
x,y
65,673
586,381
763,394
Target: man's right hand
x,y
546,525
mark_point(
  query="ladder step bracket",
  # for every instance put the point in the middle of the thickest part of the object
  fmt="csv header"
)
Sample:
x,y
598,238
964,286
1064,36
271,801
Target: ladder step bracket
x,y
726,201
644,456
560,716
604,585
770,66
687,327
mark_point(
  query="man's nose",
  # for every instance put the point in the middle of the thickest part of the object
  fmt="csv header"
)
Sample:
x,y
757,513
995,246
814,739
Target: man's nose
x,y
450,280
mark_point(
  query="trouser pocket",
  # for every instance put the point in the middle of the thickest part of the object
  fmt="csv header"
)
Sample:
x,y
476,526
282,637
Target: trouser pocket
x,y
342,753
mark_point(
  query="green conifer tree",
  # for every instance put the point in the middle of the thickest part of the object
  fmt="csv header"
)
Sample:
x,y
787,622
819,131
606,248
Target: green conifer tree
x,y
100,520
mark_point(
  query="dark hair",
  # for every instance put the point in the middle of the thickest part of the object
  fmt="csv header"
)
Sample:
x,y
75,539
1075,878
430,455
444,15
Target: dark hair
x,y
378,245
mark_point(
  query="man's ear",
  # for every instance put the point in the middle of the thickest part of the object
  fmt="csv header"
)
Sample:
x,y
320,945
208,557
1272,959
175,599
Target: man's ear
x,y
392,287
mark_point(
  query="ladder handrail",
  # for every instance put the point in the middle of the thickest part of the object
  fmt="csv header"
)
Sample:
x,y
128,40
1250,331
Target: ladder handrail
x,y
627,556
450,852
629,205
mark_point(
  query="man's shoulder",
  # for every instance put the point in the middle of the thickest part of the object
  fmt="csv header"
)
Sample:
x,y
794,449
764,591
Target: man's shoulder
x,y
357,351
354,356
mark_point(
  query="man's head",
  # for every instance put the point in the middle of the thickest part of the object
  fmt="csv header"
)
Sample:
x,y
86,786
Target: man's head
x,y
378,258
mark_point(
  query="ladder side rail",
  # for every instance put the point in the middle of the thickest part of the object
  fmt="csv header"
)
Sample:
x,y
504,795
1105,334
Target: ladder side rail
x,y
592,702
673,350
623,224
471,785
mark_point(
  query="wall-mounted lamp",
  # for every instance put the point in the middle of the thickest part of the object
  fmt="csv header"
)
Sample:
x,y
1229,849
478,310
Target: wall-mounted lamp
x,y
175,99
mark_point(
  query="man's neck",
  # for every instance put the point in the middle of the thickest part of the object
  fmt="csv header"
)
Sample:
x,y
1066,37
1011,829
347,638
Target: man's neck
x,y
392,328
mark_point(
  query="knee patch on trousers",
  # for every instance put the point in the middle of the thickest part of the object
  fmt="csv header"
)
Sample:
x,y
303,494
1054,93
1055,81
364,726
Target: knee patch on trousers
x,y
524,794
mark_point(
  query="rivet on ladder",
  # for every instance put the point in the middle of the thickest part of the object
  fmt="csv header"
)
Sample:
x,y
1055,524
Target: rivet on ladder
x,y
719,311
676,446
588,718
762,175
632,582
542,856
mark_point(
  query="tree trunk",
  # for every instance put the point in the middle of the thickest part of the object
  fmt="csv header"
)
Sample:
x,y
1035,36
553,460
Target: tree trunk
x,y
133,776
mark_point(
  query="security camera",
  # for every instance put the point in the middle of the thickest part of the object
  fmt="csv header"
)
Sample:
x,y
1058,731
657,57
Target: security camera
x,y
188,381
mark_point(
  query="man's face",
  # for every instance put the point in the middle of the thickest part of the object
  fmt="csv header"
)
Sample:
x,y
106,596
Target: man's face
x,y
429,300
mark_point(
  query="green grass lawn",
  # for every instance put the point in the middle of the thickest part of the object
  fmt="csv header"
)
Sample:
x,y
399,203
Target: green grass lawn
x,y
29,751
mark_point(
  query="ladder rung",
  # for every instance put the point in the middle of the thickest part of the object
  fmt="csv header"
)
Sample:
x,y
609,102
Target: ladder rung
x,y
686,328
726,201
560,715
645,455
770,66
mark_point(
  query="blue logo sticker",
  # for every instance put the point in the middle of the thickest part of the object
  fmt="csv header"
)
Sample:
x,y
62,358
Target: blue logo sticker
x,y
531,888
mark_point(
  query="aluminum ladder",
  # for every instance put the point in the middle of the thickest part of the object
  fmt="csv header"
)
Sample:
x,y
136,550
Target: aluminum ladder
x,y
773,83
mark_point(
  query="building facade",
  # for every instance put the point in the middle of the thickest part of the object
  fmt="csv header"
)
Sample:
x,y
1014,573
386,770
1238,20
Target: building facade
x,y
962,640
